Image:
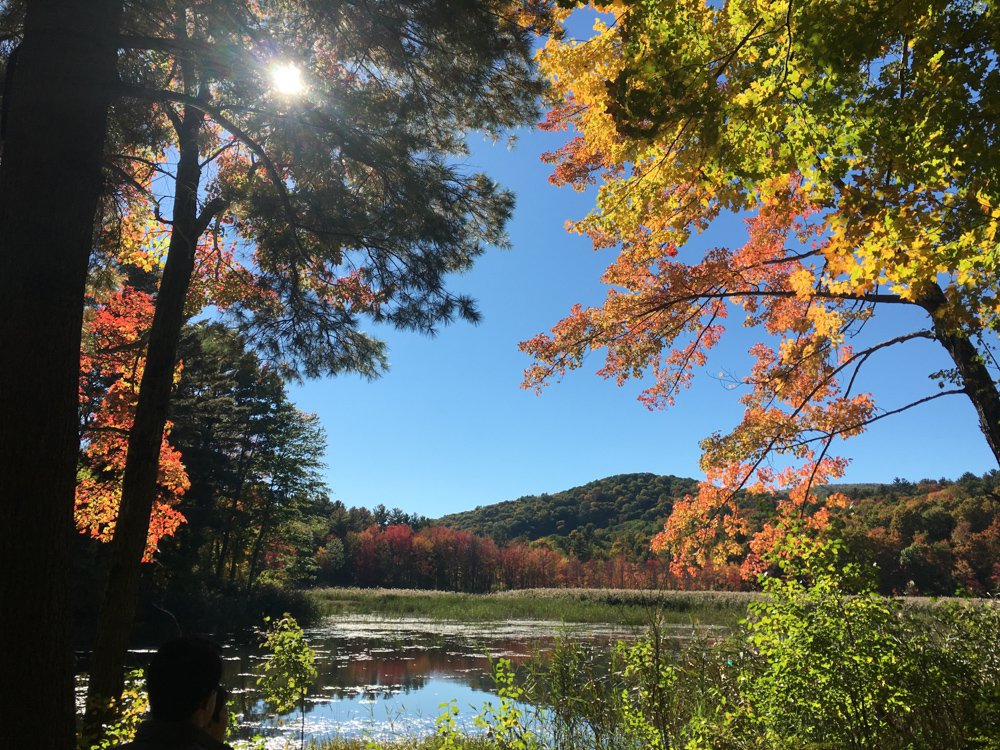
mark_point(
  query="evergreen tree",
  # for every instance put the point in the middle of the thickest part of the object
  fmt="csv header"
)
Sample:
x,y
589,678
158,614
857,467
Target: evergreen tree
x,y
254,462
298,212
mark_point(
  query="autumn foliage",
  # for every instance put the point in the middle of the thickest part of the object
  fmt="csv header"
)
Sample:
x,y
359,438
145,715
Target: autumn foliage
x,y
111,368
847,137
934,537
438,557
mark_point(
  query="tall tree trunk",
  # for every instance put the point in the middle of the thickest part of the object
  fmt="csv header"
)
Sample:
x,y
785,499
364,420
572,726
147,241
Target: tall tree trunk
x,y
246,452
979,384
55,114
223,547
253,570
139,484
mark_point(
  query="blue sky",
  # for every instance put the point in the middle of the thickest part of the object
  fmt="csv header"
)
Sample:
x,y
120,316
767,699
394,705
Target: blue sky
x,y
448,428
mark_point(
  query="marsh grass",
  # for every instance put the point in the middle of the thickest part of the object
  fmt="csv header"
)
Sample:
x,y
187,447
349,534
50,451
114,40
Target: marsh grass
x,y
613,606
425,743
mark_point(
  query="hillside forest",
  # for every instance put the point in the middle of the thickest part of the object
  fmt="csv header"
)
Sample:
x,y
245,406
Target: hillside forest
x,y
247,512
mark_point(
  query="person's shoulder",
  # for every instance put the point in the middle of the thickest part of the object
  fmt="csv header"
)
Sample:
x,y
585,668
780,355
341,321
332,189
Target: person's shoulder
x,y
202,743
154,734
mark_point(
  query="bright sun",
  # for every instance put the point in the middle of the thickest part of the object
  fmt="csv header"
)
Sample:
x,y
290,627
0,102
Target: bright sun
x,y
287,79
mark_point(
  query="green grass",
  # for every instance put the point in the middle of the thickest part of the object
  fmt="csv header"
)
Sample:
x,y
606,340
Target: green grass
x,y
615,606
426,743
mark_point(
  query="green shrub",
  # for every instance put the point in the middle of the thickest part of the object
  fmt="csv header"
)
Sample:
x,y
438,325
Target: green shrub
x,y
129,711
290,670
810,668
862,672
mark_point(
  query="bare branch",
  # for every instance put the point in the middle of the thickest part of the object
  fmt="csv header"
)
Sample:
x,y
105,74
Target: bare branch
x,y
209,212
883,415
216,113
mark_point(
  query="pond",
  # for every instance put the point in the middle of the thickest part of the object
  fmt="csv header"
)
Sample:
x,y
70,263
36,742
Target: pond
x,y
385,679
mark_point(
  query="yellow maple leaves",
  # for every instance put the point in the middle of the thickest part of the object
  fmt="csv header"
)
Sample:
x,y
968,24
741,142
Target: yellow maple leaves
x,y
850,134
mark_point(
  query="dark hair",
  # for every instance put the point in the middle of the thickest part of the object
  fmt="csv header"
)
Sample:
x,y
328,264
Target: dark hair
x,y
181,675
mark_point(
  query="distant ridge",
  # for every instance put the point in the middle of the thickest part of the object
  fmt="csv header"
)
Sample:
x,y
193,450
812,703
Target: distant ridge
x,y
933,537
623,505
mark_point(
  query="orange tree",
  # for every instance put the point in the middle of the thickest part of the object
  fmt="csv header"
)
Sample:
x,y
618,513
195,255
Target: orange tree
x,y
111,366
858,139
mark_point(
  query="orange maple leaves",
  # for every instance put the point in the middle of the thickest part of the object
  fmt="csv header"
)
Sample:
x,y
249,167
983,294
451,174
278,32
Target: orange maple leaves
x,y
661,318
857,153
111,368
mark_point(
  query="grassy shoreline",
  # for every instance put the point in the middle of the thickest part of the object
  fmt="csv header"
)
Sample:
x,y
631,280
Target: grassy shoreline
x,y
814,662
613,606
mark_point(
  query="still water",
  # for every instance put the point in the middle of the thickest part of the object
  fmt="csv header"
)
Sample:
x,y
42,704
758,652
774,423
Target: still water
x,y
387,678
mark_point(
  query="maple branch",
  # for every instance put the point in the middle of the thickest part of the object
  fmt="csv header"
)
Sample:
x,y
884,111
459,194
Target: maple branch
x,y
788,48
218,152
154,166
106,428
692,348
561,362
812,475
208,212
725,63
138,345
873,298
862,356
772,443
883,415
778,261
130,180
857,371
989,351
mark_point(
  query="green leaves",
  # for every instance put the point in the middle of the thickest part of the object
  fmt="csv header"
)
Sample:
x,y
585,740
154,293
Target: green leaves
x,y
289,672
865,671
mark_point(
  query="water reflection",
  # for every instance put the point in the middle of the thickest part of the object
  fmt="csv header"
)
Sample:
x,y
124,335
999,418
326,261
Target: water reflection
x,y
386,679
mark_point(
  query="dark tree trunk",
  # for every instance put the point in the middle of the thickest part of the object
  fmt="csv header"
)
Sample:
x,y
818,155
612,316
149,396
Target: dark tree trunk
x,y
253,569
979,384
139,484
246,454
55,112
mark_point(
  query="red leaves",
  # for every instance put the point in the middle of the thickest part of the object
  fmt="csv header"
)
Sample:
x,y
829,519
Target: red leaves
x,y
111,369
663,316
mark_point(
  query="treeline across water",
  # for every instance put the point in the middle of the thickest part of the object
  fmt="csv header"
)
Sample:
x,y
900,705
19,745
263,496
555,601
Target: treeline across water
x,y
247,511
438,557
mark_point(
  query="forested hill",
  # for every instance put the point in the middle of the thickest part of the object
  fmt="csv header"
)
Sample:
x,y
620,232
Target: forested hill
x,y
613,507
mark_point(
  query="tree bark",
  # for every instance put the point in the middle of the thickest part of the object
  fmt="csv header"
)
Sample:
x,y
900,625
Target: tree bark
x,y
253,569
55,107
139,482
979,384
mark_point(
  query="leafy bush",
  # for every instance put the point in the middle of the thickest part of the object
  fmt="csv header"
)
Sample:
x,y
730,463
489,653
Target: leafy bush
x,y
829,670
811,667
290,671
128,711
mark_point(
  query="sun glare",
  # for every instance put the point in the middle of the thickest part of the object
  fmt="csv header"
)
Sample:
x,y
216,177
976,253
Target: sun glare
x,y
287,79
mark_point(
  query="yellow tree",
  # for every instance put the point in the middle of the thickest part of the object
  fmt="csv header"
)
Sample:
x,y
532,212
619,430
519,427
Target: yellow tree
x,y
858,139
